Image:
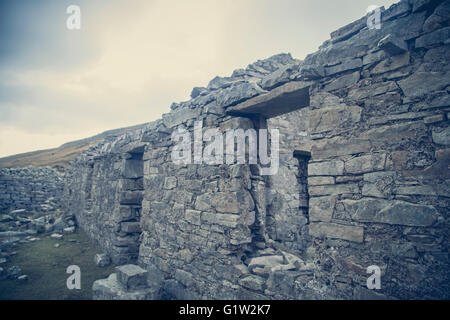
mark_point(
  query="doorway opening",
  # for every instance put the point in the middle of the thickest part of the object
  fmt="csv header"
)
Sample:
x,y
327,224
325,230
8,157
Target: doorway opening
x,y
303,158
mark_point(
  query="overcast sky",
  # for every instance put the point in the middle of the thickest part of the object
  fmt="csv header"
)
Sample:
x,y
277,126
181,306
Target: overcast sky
x,y
131,59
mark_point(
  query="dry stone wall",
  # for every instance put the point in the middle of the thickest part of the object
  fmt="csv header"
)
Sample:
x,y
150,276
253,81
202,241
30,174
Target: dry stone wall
x,y
363,175
103,191
32,189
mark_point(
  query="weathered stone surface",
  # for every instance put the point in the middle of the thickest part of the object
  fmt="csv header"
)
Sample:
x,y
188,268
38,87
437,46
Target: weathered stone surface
x,y
170,183
344,66
333,189
441,135
344,179
265,262
178,117
184,277
131,276
321,208
221,201
439,169
439,18
419,5
173,289
365,39
396,117
391,64
284,281
395,10
415,190
438,57
124,213
227,220
374,177
125,242
394,132
337,231
196,91
371,91
285,98
130,227
434,119
328,168
252,282
236,123
238,93
131,197
311,72
393,45
280,76
391,212
328,119
434,38
317,181
348,30
372,190
240,235
366,163
373,57
339,147
111,289
193,216
342,82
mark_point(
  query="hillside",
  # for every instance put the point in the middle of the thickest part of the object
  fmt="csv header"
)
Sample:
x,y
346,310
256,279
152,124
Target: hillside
x,y
59,157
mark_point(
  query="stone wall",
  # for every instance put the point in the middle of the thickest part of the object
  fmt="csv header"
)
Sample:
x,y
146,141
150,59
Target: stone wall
x,y
363,176
378,175
103,191
33,189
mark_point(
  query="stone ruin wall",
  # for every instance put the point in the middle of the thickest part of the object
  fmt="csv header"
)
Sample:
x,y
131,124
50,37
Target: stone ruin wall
x,y
99,194
32,189
363,177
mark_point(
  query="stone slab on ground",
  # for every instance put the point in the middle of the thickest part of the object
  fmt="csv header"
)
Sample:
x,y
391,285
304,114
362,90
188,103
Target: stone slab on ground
x,y
111,289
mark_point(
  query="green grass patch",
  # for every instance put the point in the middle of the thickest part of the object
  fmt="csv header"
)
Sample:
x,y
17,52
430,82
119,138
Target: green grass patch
x,y
46,268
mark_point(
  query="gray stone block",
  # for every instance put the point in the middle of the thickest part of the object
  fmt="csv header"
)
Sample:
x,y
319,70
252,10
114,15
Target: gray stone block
x,y
328,168
321,208
343,81
393,45
252,282
111,289
441,135
366,163
337,231
391,212
131,276
434,38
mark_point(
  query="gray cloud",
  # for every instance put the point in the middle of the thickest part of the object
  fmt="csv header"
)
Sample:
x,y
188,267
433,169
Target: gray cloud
x,y
131,59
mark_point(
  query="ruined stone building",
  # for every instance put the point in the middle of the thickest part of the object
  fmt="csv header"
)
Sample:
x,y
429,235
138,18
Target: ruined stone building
x,y
363,176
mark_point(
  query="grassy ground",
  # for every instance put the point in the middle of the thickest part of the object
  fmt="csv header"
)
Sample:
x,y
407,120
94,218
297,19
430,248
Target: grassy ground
x,y
46,267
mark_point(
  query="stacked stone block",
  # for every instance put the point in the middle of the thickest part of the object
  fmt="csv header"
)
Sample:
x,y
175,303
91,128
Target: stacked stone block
x,y
129,282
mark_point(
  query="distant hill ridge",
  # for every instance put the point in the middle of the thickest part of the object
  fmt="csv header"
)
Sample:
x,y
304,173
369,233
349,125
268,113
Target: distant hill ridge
x,y
58,158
